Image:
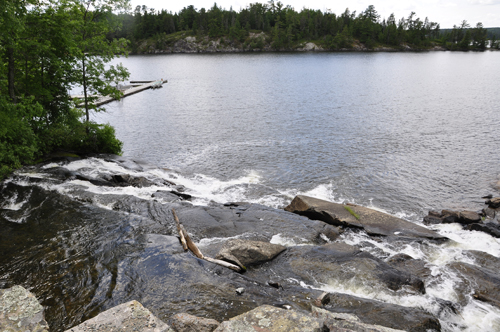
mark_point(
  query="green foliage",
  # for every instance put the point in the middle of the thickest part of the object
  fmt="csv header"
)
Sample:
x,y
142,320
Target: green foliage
x,y
18,142
45,49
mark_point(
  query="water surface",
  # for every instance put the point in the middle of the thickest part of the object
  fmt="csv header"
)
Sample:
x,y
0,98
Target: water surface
x,y
406,132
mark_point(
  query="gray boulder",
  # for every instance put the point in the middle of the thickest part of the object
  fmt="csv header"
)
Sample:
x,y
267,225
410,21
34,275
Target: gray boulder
x,y
484,260
468,217
484,284
272,319
373,222
21,311
126,317
184,322
380,313
408,264
346,322
490,228
246,252
493,203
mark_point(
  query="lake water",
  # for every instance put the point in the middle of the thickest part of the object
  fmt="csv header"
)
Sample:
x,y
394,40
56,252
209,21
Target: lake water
x,y
403,132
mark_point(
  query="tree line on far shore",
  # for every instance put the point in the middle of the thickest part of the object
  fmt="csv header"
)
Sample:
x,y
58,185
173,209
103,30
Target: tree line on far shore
x,y
287,27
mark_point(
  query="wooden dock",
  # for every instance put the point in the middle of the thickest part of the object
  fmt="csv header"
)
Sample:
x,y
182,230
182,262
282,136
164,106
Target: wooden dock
x,y
135,87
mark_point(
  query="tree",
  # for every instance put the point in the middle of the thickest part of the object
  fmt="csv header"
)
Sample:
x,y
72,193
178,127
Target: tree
x,y
93,20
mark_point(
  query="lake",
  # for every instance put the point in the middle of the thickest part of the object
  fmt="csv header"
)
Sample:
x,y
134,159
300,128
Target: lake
x,y
403,132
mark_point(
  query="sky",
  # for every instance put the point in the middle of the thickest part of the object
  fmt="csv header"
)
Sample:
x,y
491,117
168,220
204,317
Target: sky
x,y
445,12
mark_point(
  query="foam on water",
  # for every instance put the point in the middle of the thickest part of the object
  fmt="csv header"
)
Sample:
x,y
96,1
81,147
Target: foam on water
x,y
289,242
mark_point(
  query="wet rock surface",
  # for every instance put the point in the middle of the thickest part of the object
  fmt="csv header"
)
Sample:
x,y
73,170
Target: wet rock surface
x,y
410,265
343,322
272,319
490,228
373,222
380,313
483,283
20,311
127,317
338,263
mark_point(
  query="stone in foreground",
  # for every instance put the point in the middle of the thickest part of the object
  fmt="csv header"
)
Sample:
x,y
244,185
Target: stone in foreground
x,y
347,322
184,322
126,317
373,222
21,311
271,319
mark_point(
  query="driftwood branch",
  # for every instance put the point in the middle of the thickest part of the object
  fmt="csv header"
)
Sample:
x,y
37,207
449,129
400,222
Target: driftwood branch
x,y
191,244
224,263
183,239
188,243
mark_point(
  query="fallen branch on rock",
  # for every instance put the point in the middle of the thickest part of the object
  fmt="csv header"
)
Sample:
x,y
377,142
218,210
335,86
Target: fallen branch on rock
x,y
188,243
183,240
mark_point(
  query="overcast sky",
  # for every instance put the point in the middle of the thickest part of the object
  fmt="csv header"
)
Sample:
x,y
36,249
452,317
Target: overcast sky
x,y
445,12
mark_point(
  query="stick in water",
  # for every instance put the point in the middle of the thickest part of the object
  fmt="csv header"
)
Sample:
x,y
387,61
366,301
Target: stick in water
x,y
183,240
191,244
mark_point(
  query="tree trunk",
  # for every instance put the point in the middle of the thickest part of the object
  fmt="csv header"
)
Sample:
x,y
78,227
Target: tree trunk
x,y
10,74
85,97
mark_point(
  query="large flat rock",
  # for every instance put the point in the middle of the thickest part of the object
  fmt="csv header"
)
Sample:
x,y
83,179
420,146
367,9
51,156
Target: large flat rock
x,y
271,319
126,317
21,311
372,221
409,319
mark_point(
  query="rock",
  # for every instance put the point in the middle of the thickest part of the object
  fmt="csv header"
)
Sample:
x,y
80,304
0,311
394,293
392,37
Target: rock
x,y
489,212
240,291
347,322
410,265
385,314
484,260
245,252
469,217
126,317
272,319
487,196
483,283
493,203
491,228
181,195
373,222
335,263
165,195
435,214
449,216
126,179
21,311
184,322
432,220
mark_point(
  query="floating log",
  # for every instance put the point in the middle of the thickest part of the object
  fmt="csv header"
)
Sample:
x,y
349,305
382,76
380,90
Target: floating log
x,y
179,229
